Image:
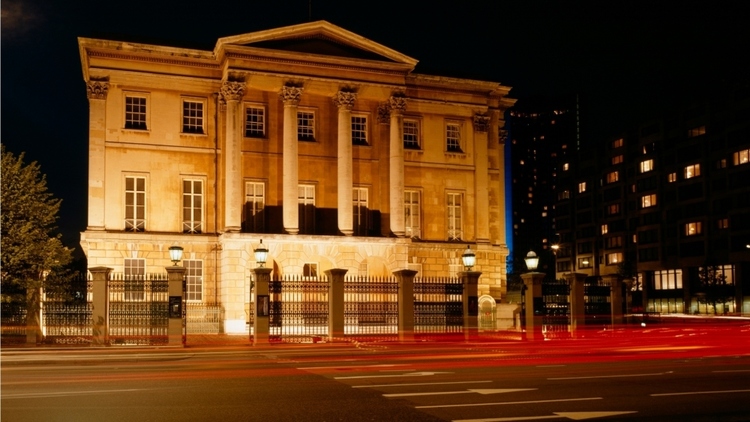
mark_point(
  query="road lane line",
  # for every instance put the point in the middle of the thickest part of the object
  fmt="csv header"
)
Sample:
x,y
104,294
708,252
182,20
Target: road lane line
x,y
310,368
689,393
408,374
502,403
65,393
418,384
609,376
479,391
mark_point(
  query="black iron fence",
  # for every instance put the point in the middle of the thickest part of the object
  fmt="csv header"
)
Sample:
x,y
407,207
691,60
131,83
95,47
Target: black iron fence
x,y
299,308
370,306
138,309
438,305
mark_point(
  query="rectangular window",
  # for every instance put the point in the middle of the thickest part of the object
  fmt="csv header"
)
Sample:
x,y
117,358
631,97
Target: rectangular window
x,y
192,206
255,122
359,130
693,229
310,269
672,177
648,200
582,187
193,280
741,157
411,134
613,176
696,131
412,214
361,211
253,215
723,223
306,200
135,112
192,116
614,258
613,242
135,203
613,209
453,137
617,143
455,216
563,195
134,272
584,262
605,229
647,166
692,171
617,159
566,166
667,279
721,164
305,125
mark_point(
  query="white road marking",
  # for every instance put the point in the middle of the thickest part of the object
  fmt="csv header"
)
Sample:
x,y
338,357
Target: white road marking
x,y
418,383
502,403
408,374
609,376
690,393
576,416
65,393
477,391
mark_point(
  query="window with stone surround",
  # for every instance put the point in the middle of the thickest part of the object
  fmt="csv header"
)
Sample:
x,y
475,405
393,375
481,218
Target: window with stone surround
x,y
135,112
306,125
192,116
306,200
453,137
193,280
134,272
192,206
255,121
454,202
359,130
412,214
361,211
411,134
135,203
253,215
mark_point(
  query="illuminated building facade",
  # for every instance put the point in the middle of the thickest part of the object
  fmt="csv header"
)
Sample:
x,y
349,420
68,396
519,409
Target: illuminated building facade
x,y
662,202
324,144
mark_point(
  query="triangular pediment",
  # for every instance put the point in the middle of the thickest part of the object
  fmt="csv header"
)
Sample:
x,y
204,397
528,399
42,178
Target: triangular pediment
x,y
319,38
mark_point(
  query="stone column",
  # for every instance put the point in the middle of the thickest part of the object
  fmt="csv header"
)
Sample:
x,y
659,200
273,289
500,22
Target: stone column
x,y
534,304
232,153
470,299
481,178
97,94
290,95
577,302
100,305
261,323
177,312
336,303
615,297
405,304
345,101
397,105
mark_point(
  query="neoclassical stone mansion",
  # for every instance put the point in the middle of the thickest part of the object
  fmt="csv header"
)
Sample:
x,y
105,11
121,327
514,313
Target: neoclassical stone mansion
x,y
323,144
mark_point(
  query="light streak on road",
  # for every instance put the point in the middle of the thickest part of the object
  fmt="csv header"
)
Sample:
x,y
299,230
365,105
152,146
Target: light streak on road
x,y
476,391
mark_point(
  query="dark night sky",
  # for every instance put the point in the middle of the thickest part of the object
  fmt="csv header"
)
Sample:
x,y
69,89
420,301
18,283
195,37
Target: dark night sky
x,y
623,58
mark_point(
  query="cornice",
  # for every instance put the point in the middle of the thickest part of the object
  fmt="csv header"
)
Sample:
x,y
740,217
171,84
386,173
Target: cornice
x,y
149,58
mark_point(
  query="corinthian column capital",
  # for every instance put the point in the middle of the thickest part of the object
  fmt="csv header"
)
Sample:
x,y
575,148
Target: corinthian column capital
x,y
290,94
397,103
345,99
481,122
97,90
233,91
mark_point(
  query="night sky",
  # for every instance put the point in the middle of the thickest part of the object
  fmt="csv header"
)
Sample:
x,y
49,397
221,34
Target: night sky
x,y
624,59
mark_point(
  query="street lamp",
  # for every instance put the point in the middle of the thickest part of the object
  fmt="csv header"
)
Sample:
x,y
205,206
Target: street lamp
x,y
469,258
261,254
175,254
532,261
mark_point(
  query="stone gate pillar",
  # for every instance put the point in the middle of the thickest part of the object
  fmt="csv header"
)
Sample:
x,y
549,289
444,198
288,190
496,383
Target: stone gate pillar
x,y
405,304
177,312
336,303
577,304
261,322
100,305
534,304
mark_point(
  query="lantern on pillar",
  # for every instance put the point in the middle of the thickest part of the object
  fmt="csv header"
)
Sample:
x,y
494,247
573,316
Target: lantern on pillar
x,y
532,261
261,254
175,254
469,258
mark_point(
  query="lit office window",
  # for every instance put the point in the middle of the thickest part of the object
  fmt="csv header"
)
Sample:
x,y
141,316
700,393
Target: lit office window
x,y
692,171
693,229
647,166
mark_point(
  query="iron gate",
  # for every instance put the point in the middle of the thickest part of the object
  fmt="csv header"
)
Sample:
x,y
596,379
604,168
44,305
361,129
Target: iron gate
x,y
299,309
138,309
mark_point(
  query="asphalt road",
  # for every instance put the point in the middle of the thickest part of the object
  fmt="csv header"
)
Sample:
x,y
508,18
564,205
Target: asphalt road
x,y
676,375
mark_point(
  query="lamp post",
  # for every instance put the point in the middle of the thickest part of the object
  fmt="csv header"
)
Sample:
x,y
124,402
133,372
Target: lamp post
x,y
176,331
261,321
470,297
534,303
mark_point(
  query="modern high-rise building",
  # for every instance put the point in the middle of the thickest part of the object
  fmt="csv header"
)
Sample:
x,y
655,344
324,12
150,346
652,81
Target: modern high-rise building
x,y
542,133
323,144
667,204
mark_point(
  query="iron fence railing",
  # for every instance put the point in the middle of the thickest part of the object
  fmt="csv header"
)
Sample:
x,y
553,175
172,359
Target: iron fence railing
x,y
370,306
438,305
138,309
298,309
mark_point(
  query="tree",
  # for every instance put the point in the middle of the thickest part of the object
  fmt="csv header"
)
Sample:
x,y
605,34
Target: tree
x,y
714,289
33,256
